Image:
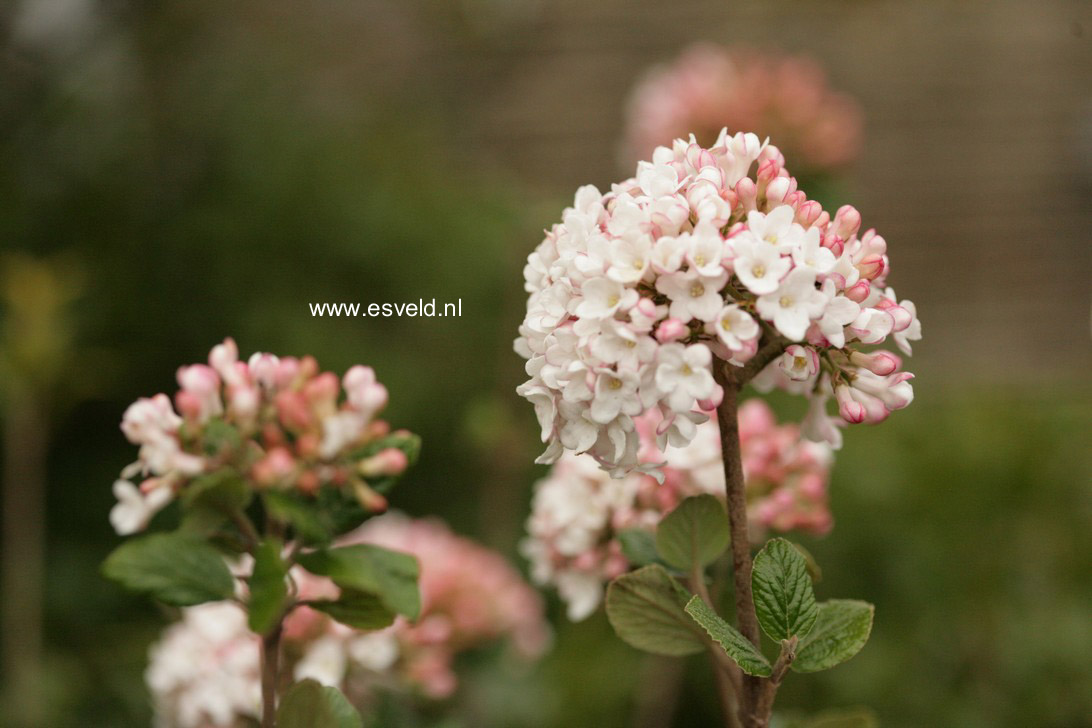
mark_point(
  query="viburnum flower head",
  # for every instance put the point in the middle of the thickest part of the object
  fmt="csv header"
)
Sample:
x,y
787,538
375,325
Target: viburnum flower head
x,y
279,422
705,256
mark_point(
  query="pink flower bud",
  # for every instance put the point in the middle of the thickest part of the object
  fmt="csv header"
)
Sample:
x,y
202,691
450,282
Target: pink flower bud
x,y
877,362
671,329
859,291
902,317
712,402
847,221
390,461
276,466
851,411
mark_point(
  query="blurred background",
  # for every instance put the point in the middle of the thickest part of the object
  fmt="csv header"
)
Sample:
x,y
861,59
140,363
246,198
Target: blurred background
x,y
173,173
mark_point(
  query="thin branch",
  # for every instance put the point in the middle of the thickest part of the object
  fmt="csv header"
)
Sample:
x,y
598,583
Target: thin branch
x,y
780,668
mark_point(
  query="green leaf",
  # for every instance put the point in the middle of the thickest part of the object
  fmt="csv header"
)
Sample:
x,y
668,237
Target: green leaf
x,y
784,599
222,491
268,589
309,522
840,632
311,705
694,534
645,607
175,568
638,546
356,609
390,575
738,647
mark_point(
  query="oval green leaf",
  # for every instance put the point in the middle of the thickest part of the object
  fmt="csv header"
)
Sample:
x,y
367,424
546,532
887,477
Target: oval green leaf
x,y
694,534
840,632
645,608
175,568
784,599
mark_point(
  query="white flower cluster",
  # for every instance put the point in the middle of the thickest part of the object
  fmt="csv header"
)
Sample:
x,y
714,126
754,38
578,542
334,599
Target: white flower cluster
x,y
704,253
205,670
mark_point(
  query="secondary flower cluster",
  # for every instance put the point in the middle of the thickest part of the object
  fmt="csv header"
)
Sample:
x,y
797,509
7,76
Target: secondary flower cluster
x,y
276,419
579,510
204,671
470,596
784,97
706,253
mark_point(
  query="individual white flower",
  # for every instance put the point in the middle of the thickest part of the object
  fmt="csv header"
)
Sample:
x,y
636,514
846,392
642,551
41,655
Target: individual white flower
x,y
759,266
618,344
134,509
615,393
799,363
872,325
601,298
735,326
808,253
692,294
777,229
705,248
376,651
325,661
683,374
668,253
794,304
629,258
911,332
839,313
581,592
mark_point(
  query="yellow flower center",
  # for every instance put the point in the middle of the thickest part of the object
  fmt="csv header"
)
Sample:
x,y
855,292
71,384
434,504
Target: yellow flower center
x,y
697,290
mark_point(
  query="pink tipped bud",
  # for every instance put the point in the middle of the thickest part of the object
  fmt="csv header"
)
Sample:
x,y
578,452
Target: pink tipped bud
x,y
877,362
671,329
872,266
713,401
390,461
308,482
747,194
859,291
277,465
847,221
808,213
293,410
371,501
189,404
850,409
778,190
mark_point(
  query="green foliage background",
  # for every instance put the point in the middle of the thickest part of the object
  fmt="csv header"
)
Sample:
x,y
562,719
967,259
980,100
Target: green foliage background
x,y
192,170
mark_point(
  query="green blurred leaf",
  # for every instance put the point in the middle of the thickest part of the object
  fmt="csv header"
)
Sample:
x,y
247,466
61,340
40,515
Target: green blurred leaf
x,y
310,523
218,436
357,609
738,647
222,491
841,630
311,705
268,589
175,568
784,599
694,534
390,575
645,607
638,546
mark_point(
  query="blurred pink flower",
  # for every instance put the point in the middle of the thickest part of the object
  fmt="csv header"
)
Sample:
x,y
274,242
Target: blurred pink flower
x,y
783,97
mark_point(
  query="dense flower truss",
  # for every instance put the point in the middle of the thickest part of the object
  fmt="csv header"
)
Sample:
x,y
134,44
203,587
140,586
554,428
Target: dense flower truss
x,y
709,87
579,510
276,419
204,671
705,254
